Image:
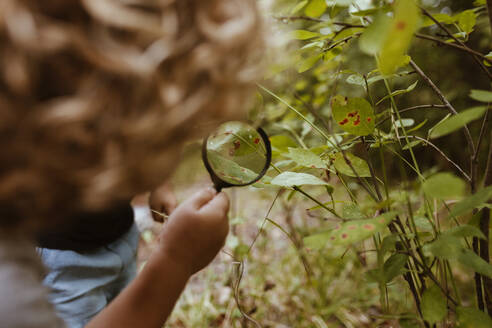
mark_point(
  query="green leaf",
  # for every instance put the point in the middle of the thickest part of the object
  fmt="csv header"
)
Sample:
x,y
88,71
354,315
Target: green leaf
x,y
350,232
372,11
471,260
443,186
358,164
303,34
404,24
315,8
474,201
306,158
433,305
394,266
308,63
298,7
456,122
472,318
353,115
387,245
445,247
441,18
481,95
374,36
399,92
352,212
465,230
342,3
405,122
412,144
291,179
228,170
467,20
418,126
281,143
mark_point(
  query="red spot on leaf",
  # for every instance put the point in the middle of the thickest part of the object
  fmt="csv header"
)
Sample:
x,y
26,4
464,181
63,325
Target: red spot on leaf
x,y
368,226
237,144
381,220
352,114
337,227
357,120
352,227
344,236
369,119
257,141
345,121
332,238
400,25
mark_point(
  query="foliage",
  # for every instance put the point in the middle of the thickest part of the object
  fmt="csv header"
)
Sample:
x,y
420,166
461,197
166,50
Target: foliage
x,y
360,128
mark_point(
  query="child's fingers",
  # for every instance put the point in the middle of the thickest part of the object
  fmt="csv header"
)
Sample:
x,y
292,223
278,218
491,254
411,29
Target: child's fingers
x,y
217,206
202,197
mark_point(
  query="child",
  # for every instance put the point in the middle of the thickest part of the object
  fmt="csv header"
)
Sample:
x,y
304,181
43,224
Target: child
x,y
93,258
96,99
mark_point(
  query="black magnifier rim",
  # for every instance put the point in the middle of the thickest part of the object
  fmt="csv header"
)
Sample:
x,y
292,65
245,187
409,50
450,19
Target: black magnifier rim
x,y
218,182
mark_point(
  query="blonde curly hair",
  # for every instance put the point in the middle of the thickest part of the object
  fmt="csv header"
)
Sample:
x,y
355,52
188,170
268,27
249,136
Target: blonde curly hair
x,y
97,96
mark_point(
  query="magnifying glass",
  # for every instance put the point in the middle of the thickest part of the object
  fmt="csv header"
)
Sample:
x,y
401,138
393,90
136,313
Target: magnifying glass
x,y
236,154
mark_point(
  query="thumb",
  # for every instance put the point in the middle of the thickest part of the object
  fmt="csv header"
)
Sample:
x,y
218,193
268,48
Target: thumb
x,y
219,204
202,197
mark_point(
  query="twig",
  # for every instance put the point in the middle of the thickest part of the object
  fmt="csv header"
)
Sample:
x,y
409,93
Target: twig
x,y
443,155
317,20
453,45
485,123
413,108
442,27
444,101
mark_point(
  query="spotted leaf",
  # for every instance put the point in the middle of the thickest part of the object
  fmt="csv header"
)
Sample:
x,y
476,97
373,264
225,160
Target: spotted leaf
x,y
353,115
350,232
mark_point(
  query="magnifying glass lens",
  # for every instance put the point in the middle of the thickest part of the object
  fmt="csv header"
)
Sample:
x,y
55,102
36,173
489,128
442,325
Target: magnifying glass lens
x,y
236,154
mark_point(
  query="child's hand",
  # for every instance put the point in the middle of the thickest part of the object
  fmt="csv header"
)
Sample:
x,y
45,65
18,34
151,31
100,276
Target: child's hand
x,y
162,200
196,230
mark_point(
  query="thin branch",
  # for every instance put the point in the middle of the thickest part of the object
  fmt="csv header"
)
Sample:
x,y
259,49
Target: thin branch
x,y
413,108
317,20
443,155
445,29
445,102
485,123
453,45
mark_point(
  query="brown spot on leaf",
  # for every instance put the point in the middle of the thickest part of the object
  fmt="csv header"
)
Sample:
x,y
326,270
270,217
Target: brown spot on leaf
x,y
352,227
344,121
368,226
401,25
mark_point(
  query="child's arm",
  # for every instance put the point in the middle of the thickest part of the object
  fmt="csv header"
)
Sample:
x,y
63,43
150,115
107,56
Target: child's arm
x,y
193,235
